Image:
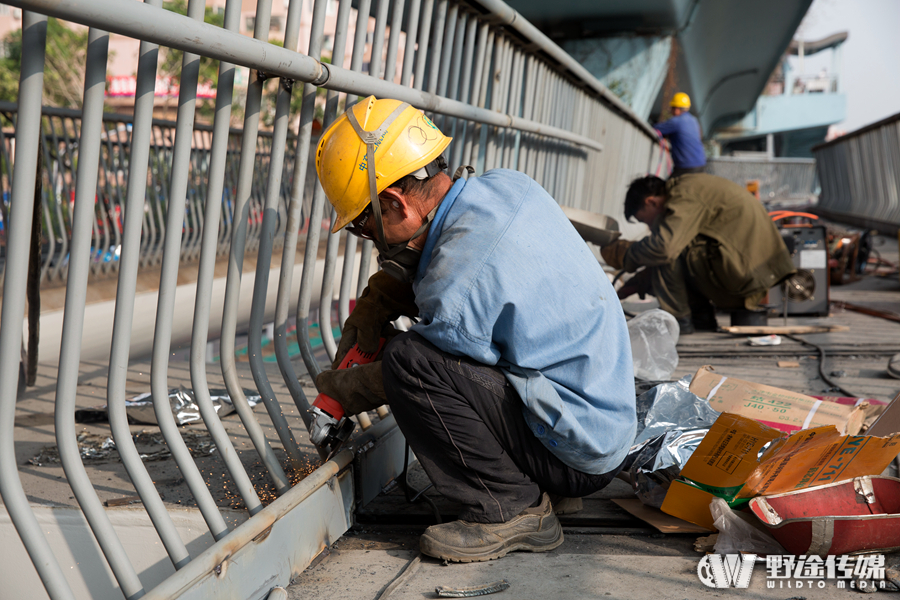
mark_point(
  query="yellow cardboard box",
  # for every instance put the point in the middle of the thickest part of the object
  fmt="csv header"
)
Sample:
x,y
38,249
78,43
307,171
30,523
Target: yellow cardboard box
x,y
741,458
781,409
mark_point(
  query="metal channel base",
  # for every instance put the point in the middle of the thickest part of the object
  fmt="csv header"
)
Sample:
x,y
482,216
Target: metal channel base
x,y
279,542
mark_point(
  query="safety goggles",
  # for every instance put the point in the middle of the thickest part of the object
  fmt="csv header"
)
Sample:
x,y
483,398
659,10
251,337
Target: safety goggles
x,y
358,226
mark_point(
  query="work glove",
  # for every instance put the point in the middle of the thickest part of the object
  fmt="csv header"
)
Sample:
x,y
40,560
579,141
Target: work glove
x,y
614,254
359,389
384,300
641,284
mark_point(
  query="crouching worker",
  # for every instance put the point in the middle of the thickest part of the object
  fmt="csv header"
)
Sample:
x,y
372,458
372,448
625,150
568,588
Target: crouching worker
x,y
711,245
516,381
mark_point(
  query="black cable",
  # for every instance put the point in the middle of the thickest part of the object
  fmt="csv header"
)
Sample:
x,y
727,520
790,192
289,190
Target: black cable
x,y
821,364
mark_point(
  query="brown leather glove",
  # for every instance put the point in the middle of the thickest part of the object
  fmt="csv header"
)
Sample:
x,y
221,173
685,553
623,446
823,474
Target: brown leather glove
x,y
383,300
358,389
614,254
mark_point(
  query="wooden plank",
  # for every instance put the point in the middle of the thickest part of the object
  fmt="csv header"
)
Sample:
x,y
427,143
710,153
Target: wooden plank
x,y
782,330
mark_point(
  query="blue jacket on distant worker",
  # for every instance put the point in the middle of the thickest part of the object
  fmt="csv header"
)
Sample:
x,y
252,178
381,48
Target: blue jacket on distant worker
x,y
683,133
516,382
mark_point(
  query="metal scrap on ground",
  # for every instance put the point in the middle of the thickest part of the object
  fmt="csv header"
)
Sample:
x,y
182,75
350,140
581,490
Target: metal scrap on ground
x,y
444,591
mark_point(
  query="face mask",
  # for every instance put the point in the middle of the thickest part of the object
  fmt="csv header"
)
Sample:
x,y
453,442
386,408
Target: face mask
x,y
399,260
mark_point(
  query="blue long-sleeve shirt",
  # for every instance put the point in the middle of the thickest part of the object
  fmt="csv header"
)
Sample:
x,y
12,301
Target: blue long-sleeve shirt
x,y
683,133
505,279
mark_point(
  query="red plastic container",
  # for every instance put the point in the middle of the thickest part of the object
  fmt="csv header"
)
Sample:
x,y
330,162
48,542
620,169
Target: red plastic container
x,y
856,516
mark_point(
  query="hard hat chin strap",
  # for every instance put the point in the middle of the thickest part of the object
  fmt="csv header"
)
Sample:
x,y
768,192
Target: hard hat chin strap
x,y
398,260
371,139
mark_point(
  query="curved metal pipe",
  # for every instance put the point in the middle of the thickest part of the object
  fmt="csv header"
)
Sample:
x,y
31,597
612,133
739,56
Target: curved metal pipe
x,y
203,301
28,132
73,319
238,243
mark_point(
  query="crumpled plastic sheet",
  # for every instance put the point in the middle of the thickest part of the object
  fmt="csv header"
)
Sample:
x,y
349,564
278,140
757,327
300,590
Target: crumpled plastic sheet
x,y
184,408
654,334
673,407
659,462
673,427
737,535
97,451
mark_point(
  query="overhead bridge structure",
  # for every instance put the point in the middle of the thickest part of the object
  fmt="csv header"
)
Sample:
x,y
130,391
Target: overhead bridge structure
x,y
509,97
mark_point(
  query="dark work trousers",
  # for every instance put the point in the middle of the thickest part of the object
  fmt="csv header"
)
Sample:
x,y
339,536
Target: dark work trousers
x,y
686,285
464,422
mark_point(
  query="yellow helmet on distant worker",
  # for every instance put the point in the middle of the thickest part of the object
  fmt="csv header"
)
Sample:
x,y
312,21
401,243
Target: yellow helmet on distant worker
x,y
404,140
680,100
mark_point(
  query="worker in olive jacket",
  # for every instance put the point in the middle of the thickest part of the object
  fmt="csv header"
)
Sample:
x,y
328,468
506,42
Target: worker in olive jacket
x,y
710,241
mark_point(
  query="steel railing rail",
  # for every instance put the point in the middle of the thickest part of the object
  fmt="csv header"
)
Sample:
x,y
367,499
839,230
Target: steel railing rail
x,y
317,208
331,251
778,178
31,85
168,193
180,32
509,16
202,305
61,128
124,311
73,323
267,237
235,269
168,281
860,175
282,308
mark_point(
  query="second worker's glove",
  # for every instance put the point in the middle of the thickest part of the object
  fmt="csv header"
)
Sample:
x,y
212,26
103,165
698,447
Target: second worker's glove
x,y
614,254
384,300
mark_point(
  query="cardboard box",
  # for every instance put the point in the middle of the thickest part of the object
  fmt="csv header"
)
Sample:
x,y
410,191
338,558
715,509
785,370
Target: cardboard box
x,y
889,420
781,409
741,458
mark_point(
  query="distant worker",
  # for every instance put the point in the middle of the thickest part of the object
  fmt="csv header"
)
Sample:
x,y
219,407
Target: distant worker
x,y
517,380
711,245
683,133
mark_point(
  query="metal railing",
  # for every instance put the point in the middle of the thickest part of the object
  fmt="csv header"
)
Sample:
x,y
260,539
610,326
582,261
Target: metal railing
x,y
508,96
779,178
60,138
860,175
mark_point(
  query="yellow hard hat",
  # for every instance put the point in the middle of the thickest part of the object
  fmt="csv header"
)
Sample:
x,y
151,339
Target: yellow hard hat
x,y
404,141
680,100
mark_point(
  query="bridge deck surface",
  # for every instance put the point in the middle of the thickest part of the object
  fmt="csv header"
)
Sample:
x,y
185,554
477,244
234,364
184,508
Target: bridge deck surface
x,y
607,551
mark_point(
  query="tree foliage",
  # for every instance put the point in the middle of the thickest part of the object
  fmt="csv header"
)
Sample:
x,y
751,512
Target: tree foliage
x,y
171,59
64,65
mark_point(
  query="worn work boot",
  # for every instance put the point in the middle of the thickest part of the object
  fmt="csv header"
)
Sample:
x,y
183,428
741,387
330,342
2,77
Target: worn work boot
x,y
705,321
685,325
534,529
